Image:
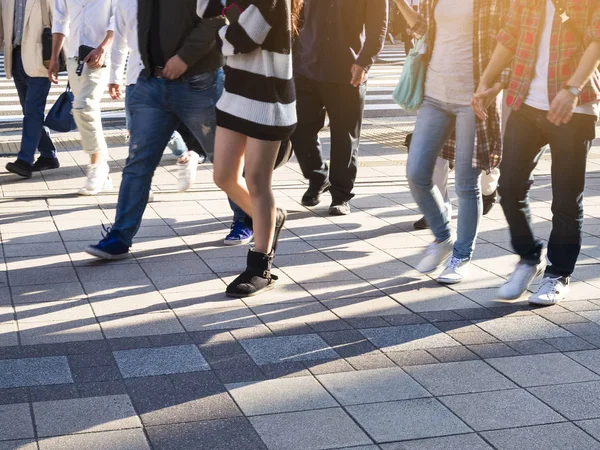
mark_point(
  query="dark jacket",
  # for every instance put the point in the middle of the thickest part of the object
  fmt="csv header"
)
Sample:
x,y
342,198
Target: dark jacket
x,y
183,33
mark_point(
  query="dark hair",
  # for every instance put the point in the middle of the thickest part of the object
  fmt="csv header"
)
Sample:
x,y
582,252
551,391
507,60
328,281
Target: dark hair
x,y
296,8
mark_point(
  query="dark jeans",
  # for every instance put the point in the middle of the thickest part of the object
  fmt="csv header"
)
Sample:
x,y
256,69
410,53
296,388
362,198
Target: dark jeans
x,y
344,104
527,132
33,92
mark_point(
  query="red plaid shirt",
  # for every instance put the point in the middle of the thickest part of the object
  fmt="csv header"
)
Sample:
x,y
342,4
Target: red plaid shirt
x,y
521,34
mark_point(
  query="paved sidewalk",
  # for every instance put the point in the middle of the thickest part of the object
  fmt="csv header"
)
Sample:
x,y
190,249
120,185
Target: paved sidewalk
x,y
354,350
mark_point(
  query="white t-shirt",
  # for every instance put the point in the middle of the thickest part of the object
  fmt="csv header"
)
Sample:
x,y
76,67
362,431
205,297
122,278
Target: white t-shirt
x,y
538,96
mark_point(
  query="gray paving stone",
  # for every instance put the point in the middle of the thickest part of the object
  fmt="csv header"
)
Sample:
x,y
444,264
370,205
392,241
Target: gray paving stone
x,y
588,358
453,354
117,440
309,430
500,409
541,370
160,361
574,401
372,386
34,371
532,347
18,445
317,367
85,415
16,422
230,434
459,378
288,348
408,337
522,328
497,350
413,357
278,396
408,419
140,325
591,426
460,442
559,436
570,344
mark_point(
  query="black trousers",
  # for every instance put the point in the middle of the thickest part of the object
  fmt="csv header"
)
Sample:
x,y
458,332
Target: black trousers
x,y
527,132
344,104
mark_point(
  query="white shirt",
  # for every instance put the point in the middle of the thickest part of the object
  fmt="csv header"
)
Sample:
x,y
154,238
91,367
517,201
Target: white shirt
x,y
538,96
84,22
126,39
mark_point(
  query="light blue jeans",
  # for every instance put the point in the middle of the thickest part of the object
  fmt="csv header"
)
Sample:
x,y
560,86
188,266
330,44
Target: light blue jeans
x,y
435,122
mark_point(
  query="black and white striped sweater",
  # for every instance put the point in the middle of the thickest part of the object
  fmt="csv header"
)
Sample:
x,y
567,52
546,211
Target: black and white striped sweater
x,y
259,98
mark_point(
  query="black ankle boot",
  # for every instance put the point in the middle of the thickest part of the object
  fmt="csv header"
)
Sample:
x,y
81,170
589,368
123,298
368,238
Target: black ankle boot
x,y
280,218
257,277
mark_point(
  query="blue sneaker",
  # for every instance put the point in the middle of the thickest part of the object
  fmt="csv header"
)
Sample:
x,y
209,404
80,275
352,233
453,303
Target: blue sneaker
x,y
240,234
110,248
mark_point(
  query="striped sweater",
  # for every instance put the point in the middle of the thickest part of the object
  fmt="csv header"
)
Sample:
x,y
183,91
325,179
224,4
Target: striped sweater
x,y
259,98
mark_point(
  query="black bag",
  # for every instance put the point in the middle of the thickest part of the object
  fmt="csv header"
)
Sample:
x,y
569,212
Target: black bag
x,y
60,117
285,153
47,41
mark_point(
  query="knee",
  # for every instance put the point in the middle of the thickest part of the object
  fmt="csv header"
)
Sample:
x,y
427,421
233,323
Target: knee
x,y
417,178
257,183
223,179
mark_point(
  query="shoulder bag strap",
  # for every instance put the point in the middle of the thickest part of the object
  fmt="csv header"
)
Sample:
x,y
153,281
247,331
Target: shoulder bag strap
x,y
561,10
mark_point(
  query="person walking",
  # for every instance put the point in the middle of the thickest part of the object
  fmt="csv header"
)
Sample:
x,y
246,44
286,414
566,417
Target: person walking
x,y
554,93
457,40
255,114
338,43
21,26
89,29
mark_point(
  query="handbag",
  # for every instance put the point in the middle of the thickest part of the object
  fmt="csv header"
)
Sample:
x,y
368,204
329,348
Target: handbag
x,y
47,41
285,153
410,91
60,117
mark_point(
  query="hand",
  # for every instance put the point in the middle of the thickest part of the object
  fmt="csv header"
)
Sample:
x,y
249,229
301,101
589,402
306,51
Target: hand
x,y
174,68
561,109
115,91
95,58
483,98
53,70
359,75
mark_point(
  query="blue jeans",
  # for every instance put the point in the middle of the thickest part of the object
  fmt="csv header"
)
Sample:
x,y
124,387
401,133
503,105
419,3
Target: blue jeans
x,y
33,92
435,122
157,107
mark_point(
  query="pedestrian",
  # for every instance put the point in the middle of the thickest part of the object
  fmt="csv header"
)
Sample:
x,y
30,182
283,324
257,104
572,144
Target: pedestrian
x,y
21,26
459,49
88,29
255,114
181,82
338,43
554,93
399,27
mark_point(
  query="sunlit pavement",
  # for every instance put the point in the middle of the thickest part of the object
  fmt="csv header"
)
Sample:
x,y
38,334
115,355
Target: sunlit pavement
x,y
354,350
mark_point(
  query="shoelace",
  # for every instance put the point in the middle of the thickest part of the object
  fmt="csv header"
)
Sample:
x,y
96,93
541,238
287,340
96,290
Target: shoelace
x,y
106,230
238,228
548,285
454,262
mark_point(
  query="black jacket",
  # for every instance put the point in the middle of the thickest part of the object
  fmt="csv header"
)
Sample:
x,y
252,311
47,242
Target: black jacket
x,y
183,33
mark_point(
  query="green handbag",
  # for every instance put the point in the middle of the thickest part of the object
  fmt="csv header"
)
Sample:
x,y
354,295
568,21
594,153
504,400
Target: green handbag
x,y
410,90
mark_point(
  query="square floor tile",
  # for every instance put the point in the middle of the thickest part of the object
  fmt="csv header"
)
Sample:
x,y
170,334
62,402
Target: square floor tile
x,y
460,442
140,325
560,436
18,445
8,334
591,426
33,333
459,378
588,358
372,386
542,370
230,434
408,337
277,396
288,348
500,409
145,362
365,307
217,319
574,401
309,430
85,415
34,371
522,328
292,313
16,422
117,440
408,419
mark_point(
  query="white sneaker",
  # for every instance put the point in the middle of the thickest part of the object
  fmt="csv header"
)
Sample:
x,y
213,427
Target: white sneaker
x,y
551,291
186,172
456,270
98,180
435,254
519,281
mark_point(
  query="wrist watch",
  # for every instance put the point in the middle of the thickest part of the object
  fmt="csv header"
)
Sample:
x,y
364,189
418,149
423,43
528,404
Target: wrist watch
x,y
574,90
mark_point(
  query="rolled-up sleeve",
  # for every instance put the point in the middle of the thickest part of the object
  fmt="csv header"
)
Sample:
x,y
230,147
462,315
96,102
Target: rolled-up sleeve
x,y
420,28
509,34
60,20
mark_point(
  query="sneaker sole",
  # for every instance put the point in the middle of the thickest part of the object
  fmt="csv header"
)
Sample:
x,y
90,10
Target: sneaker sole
x,y
549,303
84,192
512,297
237,243
448,281
254,294
106,256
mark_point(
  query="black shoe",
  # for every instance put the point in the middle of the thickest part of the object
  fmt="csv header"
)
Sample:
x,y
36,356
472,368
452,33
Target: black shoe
x,y
21,168
339,209
257,277
312,197
44,163
280,218
488,202
420,224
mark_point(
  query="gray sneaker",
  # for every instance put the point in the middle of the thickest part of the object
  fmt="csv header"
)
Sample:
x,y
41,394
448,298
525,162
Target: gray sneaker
x,y
339,209
456,270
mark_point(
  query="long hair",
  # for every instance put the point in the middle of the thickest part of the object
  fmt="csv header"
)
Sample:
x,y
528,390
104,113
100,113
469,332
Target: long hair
x,y
296,9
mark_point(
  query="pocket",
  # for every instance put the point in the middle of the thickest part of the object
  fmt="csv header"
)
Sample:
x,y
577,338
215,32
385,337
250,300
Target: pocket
x,y
202,81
